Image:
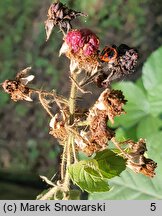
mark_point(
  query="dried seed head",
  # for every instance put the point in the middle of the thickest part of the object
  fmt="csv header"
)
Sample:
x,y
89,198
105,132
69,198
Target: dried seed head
x,y
108,105
137,148
17,88
111,103
81,46
147,167
59,14
138,162
115,63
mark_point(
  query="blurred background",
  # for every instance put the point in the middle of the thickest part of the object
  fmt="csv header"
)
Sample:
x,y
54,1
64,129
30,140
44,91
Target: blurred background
x,y
26,148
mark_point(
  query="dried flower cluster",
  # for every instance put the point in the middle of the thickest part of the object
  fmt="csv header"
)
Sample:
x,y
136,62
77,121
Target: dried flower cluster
x,y
59,14
88,132
116,63
18,89
108,105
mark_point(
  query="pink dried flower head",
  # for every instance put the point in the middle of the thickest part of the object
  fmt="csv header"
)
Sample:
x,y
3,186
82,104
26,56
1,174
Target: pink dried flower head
x,y
82,40
81,46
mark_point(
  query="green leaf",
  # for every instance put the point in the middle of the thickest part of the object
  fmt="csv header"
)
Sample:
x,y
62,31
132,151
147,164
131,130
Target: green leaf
x,y
152,79
87,176
152,71
110,164
155,100
120,134
148,126
136,107
154,147
132,186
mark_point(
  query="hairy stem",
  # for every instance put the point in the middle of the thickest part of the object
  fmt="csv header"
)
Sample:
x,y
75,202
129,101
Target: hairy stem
x,y
69,148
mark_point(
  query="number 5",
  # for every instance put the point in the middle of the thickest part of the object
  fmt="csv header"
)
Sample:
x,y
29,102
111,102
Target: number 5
x,y
153,207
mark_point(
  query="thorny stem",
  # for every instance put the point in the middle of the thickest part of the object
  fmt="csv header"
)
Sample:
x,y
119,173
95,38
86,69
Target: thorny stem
x,y
69,153
69,148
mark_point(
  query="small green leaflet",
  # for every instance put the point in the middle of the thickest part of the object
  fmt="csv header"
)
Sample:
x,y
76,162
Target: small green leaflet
x,y
92,175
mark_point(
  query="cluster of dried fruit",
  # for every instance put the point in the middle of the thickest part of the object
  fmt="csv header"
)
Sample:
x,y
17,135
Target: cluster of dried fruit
x,y
108,105
81,46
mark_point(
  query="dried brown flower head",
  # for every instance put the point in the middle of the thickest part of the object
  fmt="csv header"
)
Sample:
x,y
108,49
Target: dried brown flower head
x,y
137,161
17,88
100,132
115,63
96,137
59,14
87,144
146,167
111,103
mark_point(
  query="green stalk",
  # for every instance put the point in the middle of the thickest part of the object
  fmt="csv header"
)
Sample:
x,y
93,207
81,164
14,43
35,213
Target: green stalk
x,y
70,149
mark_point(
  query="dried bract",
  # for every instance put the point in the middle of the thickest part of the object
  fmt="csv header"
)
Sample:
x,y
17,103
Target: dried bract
x,y
59,14
17,88
58,130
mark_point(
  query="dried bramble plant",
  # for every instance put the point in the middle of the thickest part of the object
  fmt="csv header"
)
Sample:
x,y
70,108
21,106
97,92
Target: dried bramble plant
x,y
86,131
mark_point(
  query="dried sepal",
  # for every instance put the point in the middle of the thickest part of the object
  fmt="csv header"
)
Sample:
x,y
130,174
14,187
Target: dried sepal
x,y
60,15
17,89
49,24
57,127
137,161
